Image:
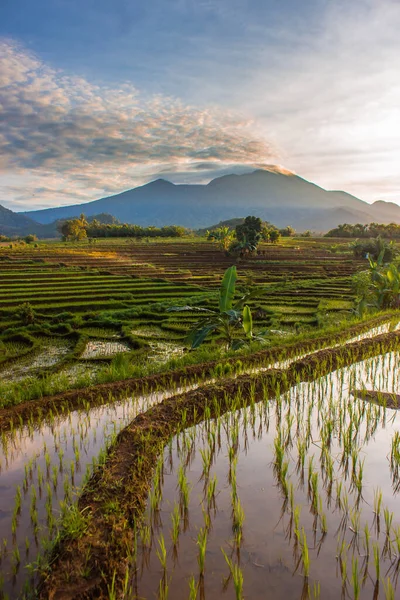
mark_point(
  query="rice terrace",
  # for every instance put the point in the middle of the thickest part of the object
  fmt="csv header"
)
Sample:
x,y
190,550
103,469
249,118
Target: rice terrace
x,y
182,420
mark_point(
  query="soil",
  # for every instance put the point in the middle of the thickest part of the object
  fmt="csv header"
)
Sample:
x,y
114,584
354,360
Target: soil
x,y
381,398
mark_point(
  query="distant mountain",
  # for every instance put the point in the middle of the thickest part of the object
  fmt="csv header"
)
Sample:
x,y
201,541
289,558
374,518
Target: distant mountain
x,y
12,223
279,197
18,224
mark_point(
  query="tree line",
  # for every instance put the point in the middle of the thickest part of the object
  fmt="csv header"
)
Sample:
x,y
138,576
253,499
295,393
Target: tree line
x,y
373,230
80,229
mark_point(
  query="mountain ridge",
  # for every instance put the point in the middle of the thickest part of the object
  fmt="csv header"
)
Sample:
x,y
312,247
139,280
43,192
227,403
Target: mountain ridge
x,y
283,198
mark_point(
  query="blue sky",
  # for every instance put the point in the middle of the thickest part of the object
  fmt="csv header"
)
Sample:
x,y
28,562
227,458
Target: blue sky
x,y
100,96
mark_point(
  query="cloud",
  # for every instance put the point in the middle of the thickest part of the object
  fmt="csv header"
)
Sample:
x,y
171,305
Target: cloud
x,y
324,88
70,140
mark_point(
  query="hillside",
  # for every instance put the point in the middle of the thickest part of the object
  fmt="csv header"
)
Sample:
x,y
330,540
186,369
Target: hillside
x,y
12,223
281,198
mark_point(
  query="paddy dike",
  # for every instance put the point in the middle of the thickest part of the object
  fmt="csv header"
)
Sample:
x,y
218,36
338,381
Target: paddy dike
x,y
40,409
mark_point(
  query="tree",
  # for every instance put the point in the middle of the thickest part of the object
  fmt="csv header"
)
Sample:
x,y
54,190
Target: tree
x,y
30,238
248,236
287,231
73,229
379,287
274,236
227,320
374,248
222,236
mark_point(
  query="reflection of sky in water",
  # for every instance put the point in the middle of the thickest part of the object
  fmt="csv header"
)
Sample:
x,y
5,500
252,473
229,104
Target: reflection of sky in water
x,y
267,551
88,432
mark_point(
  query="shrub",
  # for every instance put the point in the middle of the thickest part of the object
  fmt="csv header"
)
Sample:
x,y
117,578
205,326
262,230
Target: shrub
x,y
29,239
26,313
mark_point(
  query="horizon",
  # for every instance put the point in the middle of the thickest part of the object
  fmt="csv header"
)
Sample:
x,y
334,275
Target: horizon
x,y
97,100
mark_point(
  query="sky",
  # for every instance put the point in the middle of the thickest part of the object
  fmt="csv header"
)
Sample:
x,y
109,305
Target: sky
x,y
97,97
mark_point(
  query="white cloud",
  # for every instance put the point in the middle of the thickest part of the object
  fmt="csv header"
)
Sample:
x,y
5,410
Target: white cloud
x,y
70,140
327,92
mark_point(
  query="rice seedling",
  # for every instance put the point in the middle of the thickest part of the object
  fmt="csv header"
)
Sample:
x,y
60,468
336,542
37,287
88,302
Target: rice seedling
x,y
377,563
389,589
238,519
355,577
161,552
305,557
184,488
211,489
388,517
192,588
202,545
236,574
176,519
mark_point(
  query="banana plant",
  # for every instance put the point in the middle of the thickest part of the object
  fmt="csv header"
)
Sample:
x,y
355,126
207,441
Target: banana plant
x,y
230,317
384,289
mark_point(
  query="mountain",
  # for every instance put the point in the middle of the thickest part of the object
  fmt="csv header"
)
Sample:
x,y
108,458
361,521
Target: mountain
x,y
12,223
279,197
17,224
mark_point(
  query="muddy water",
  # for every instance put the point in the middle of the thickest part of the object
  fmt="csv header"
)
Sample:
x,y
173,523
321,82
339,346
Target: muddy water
x,y
269,553
102,348
49,466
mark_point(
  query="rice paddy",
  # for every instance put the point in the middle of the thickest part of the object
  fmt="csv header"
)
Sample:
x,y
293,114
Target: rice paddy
x,y
131,467
290,497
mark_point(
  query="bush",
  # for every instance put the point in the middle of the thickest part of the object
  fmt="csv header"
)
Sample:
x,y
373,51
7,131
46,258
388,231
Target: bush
x,y
374,248
29,239
26,313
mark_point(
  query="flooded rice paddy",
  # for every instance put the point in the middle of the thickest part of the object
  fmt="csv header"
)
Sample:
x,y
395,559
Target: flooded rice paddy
x,y
294,497
41,474
102,348
311,473
50,351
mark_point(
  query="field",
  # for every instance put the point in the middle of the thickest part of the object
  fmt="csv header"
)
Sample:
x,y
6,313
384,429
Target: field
x,y
134,468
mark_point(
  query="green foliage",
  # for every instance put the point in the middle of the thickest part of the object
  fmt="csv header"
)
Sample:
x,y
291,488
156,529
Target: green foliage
x,y
373,230
26,314
374,248
227,291
228,319
248,235
73,230
287,231
95,229
379,287
247,322
29,239
274,235
222,236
